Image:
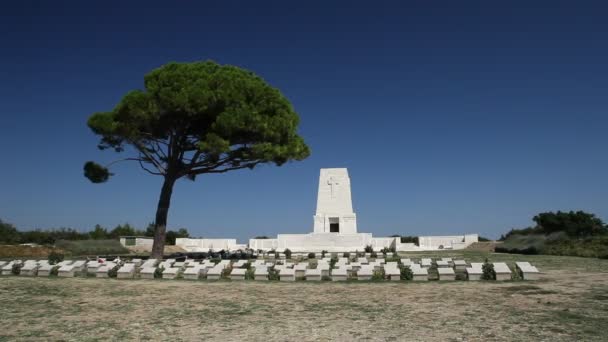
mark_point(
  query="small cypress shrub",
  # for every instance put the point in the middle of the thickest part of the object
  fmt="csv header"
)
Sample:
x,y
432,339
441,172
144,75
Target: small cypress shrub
x,y
249,274
273,274
113,273
16,269
158,273
346,255
374,255
488,271
287,252
54,271
311,255
406,273
323,252
369,249
226,273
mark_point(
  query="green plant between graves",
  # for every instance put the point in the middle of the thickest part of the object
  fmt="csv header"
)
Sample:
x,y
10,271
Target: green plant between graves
x,y
374,255
311,255
249,274
384,251
369,249
323,252
406,272
158,273
488,272
273,274
54,271
346,255
113,273
16,269
287,253
226,273
378,275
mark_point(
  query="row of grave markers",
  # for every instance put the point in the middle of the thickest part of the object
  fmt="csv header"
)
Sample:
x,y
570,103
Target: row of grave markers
x,y
344,269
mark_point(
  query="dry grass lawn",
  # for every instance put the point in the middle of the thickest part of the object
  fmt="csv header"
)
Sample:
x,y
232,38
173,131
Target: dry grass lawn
x,y
569,303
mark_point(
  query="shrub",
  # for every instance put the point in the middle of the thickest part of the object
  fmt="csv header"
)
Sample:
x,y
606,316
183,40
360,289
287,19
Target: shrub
x,y
16,269
158,273
323,252
374,255
113,273
55,258
406,273
247,265
346,255
378,274
226,273
488,271
311,255
332,263
369,249
287,252
384,251
54,271
273,274
249,274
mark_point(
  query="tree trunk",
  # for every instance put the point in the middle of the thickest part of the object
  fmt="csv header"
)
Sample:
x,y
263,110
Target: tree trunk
x,y
162,211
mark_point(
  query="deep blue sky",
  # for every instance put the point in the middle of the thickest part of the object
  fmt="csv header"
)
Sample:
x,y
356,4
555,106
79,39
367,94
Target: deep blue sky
x,y
451,116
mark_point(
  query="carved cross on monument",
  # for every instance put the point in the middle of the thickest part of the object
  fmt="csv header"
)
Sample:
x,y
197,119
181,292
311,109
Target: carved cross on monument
x,y
332,182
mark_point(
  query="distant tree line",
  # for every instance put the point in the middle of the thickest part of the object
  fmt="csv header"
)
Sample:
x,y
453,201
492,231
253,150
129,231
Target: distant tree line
x,y
9,234
577,224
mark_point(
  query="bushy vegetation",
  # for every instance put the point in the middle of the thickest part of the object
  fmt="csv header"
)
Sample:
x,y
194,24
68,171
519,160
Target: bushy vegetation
x,y
488,271
406,272
273,274
577,224
561,233
9,234
92,247
16,269
113,273
287,252
55,258
249,274
369,249
378,275
311,255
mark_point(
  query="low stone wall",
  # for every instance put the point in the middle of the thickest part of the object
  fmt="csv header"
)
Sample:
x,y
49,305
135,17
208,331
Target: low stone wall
x,y
204,245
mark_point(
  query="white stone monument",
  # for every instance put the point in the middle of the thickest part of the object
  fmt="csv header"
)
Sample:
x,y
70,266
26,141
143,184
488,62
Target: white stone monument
x,y
334,203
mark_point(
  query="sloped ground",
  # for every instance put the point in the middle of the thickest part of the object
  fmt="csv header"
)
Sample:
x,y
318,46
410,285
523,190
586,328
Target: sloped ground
x,y
20,251
485,246
569,303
